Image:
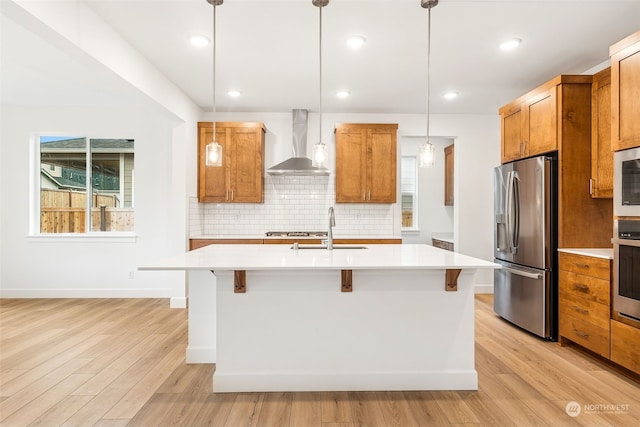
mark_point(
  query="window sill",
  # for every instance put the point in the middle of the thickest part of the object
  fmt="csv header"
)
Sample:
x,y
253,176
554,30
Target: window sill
x,y
410,230
84,237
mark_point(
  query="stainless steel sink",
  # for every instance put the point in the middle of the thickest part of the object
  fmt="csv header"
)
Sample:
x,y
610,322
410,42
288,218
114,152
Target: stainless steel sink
x,y
325,248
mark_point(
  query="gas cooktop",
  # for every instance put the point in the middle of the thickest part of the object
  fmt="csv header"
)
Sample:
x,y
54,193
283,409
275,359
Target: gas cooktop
x,y
296,234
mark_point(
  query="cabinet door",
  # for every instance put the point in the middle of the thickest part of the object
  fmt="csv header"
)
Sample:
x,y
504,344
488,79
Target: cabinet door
x,y
448,175
601,154
541,124
381,165
625,93
213,182
351,151
512,124
245,165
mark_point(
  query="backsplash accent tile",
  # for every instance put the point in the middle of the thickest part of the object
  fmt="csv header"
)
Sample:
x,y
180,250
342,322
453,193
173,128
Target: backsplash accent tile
x,y
291,203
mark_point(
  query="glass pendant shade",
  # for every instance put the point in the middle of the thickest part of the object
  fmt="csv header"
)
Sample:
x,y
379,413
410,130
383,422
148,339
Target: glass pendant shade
x,y
319,157
427,155
213,155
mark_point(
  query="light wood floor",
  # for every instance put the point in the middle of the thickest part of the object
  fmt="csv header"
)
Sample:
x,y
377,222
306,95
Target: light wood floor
x,y
100,362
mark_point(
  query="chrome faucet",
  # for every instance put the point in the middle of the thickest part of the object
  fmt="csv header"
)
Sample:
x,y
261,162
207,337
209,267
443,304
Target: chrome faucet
x,y
332,223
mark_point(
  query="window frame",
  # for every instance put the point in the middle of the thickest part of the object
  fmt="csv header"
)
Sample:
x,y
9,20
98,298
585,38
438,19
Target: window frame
x,y
414,209
35,188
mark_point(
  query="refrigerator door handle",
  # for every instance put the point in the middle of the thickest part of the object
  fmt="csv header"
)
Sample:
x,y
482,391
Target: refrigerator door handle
x,y
512,211
516,207
536,276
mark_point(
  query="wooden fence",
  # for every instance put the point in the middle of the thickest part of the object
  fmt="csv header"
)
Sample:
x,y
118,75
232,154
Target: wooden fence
x,y
63,211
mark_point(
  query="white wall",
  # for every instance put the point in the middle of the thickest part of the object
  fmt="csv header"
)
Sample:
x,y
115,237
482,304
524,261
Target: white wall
x,y
77,267
433,216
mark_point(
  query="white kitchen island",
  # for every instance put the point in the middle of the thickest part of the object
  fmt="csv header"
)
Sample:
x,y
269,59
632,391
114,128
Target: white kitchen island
x,y
382,318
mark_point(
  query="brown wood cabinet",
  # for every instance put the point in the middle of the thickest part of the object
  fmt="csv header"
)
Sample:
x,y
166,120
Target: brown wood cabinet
x,y
625,93
448,175
584,297
437,243
557,117
531,124
199,243
240,179
601,184
625,345
366,163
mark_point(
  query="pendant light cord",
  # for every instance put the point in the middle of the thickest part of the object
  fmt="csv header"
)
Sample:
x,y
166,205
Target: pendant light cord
x,y
214,72
428,67
320,73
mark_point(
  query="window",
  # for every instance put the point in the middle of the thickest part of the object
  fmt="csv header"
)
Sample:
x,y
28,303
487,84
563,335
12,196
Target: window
x,y
409,192
72,168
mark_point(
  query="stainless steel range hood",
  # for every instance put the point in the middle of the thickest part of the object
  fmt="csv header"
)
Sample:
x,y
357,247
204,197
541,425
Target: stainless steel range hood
x,y
299,164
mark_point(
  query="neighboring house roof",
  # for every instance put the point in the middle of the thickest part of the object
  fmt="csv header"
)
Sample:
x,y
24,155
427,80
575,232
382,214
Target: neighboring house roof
x,y
62,182
79,144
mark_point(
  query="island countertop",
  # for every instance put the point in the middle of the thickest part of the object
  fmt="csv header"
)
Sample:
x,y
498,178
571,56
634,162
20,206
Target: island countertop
x,y
279,257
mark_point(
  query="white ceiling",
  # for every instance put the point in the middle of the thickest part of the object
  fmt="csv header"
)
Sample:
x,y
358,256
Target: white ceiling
x,y
269,51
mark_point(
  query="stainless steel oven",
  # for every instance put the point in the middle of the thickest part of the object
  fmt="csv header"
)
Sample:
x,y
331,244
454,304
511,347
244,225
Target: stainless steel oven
x,y
626,272
626,188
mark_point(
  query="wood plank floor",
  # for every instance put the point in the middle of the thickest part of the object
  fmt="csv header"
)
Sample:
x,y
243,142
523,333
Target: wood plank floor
x,y
120,362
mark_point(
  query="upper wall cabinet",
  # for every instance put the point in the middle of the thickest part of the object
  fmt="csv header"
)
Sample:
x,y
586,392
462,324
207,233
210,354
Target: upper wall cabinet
x,y
240,179
366,163
625,93
530,124
601,185
448,175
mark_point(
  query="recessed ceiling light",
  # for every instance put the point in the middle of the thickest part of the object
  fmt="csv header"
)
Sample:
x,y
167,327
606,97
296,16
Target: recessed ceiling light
x,y
510,44
450,95
343,94
234,93
356,42
199,40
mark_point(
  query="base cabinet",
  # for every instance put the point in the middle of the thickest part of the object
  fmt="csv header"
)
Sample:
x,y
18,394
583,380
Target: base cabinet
x,y
625,346
584,296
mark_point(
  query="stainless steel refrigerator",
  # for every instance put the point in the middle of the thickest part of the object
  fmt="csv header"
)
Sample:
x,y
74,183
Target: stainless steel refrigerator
x,y
525,288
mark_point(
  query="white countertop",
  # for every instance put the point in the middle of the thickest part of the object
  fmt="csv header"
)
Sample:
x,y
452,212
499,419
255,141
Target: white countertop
x,y
606,253
282,257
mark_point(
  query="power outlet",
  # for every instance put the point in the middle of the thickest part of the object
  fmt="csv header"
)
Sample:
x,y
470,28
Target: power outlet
x,y
131,275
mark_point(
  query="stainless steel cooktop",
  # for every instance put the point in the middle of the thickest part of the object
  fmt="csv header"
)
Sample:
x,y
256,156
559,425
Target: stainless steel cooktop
x,y
296,234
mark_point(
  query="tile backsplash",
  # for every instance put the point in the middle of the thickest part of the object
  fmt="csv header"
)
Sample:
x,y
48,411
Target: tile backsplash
x,y
291,203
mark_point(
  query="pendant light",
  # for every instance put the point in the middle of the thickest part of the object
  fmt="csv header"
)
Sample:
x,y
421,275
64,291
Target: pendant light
x,y
213,150
427,156
319,156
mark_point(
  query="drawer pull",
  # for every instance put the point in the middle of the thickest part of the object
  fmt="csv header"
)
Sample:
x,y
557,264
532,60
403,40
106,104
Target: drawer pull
x,y
580,310
580,265
581,334
580,287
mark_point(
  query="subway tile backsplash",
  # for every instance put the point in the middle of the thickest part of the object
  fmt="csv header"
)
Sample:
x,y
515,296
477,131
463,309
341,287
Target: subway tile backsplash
x,y
291,203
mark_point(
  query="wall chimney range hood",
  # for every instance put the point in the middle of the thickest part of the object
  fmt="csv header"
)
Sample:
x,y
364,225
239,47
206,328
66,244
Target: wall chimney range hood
x,y
299,164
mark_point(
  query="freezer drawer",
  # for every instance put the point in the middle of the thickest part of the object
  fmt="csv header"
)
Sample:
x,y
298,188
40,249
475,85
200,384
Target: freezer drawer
x,y
526,297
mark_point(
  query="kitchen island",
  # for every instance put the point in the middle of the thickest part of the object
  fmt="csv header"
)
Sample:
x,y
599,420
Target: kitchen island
x,y
387,317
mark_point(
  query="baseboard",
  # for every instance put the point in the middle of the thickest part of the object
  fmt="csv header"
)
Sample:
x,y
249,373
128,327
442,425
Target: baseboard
x,y
178,302
483,289
201,354
85,293
369,381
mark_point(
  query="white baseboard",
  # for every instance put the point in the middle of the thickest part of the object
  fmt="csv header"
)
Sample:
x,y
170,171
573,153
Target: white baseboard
x,y
85,293
201,355
178,302
483,288
369,381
